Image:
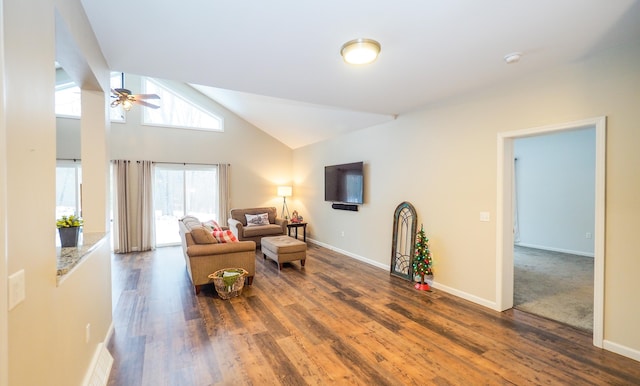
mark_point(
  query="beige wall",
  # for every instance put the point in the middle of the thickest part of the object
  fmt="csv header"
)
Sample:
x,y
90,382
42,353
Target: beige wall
x,y
4,336
258,161
443,160
46,344
30,187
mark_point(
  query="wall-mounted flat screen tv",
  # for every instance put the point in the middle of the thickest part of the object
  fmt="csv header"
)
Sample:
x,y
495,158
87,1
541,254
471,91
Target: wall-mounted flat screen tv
x,y
344,183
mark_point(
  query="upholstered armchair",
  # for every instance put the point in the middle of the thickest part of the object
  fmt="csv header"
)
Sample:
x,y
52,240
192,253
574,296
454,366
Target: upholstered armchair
x,y
255,230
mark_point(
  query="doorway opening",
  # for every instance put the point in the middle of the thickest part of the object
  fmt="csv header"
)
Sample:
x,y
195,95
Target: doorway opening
x,y
554,193
505,215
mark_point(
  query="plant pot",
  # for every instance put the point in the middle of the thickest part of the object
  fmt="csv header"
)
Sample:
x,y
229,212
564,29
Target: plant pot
x,y
422,287
69,236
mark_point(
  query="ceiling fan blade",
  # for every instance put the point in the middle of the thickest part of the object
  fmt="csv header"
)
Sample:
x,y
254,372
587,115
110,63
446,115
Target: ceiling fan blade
x,y
146,104
122,91
146,96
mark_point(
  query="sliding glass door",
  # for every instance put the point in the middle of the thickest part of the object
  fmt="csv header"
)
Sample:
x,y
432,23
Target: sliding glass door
x,y
183,190
68,186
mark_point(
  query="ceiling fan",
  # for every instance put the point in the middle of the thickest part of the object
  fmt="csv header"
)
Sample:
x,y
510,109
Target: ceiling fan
x,y
124,97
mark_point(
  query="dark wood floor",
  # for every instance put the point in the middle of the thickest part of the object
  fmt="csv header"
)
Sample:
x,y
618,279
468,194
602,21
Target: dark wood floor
x,y
336,321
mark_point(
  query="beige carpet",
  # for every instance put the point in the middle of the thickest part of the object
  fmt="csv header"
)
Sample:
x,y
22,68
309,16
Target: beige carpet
x,y
555,285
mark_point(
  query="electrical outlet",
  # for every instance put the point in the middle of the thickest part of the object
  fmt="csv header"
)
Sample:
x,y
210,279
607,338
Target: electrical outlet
x,y
485,216
342,233
588,235
16,289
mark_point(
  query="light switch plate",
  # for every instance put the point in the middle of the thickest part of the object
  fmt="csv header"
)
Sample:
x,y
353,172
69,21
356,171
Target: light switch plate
x,y
16,289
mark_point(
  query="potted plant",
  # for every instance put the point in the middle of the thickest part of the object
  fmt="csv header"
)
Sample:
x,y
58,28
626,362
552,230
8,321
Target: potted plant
x,y
69,228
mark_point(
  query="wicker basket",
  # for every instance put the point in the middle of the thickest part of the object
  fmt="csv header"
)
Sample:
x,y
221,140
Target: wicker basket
x,y
227,287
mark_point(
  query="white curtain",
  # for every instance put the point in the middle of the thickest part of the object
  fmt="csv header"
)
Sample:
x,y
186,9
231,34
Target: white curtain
x,y
223,193
146,221
516,220
122,207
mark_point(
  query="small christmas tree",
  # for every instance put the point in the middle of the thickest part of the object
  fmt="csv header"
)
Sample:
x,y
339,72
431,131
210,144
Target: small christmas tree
x,y
422,260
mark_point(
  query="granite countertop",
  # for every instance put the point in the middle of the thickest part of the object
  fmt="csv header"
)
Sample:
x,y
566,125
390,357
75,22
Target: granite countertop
x,y
70,257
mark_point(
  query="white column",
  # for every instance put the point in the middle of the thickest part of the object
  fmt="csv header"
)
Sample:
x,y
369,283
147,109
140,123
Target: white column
x,y
94,128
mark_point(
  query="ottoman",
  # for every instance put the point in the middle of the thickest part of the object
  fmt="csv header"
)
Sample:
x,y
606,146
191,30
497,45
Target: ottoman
x,y
283,249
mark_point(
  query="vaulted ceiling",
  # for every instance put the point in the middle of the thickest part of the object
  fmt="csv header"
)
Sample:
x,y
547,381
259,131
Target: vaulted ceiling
x,y
278,65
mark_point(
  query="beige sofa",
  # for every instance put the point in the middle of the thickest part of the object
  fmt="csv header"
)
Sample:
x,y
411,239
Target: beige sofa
x,y
208,256
238,224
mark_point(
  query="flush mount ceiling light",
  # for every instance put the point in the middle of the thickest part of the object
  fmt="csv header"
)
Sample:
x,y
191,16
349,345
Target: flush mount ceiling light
x,y
360,51
513,57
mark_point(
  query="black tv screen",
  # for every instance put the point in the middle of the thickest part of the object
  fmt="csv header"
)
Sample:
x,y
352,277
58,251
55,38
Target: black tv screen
x,y
344,183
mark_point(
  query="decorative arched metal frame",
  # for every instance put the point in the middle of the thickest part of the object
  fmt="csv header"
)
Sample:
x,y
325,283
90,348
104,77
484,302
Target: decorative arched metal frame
x,y
405,222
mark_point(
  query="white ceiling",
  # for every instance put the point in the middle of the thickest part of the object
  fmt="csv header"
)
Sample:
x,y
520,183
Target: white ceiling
x,y
277,63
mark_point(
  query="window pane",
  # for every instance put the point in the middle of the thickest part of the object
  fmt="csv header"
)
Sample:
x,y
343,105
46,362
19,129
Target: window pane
x,y
176,111
68,99
68,179
177,187
116,114
168,204
68,182
202,194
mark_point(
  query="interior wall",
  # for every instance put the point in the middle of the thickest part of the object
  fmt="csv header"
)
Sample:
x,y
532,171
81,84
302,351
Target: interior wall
x,y
443,160
259,162
555,185
4,336
46,332
30,187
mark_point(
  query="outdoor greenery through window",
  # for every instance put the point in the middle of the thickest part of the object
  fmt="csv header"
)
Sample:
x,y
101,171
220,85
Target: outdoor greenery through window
x,y
179,190
176,111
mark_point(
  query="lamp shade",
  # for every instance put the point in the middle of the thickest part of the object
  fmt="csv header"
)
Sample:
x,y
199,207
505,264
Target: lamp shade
x,y
284,191
360,51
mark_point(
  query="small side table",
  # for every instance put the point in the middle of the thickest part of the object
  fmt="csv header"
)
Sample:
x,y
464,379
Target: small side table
x,y
295,226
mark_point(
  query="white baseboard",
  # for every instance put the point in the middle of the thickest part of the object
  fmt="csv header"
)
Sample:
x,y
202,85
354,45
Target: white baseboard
x,y
467,296
622,350
607,345
352,255
436,285
545,248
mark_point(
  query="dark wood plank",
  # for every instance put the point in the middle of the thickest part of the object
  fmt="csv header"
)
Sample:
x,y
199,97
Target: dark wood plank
x,y
335,321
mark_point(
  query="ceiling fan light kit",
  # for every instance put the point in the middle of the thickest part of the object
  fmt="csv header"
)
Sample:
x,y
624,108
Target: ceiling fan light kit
x,y
127,105
360,51
124,98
